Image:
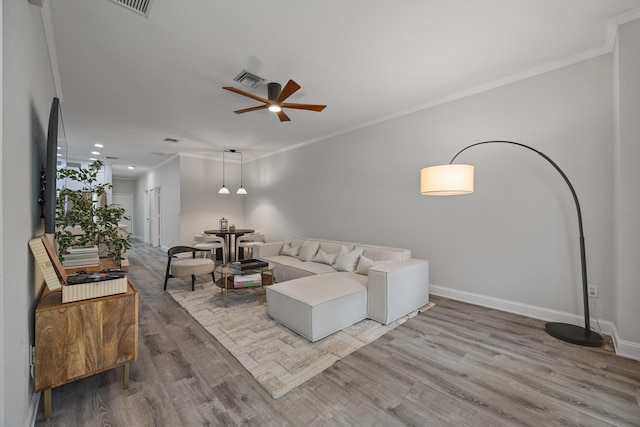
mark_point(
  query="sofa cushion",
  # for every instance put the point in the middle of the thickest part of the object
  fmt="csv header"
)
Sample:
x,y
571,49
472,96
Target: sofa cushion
x,y
289,250
308,250
314,290
325,258
347,260
315,267
317,306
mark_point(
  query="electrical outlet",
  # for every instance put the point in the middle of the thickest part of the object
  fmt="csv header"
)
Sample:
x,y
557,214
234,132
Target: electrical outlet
x,y
592,290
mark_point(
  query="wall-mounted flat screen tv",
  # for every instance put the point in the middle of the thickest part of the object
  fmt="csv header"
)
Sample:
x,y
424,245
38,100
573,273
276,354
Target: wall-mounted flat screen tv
x,y
55,154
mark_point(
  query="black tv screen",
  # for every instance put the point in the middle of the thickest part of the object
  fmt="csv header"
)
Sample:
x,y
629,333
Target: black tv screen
x,y
51,166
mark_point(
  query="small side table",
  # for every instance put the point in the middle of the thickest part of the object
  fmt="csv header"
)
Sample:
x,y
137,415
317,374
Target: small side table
x,y
227,274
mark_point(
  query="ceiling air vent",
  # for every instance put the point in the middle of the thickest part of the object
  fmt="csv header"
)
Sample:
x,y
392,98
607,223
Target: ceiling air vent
x,y
140,6
249,79
172,140
156,153
112,158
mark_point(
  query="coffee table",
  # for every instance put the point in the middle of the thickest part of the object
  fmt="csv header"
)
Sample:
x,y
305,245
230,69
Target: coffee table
x,y
227,274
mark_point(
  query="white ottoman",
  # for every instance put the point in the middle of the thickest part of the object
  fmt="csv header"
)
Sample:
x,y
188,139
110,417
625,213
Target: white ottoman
x,y
319,305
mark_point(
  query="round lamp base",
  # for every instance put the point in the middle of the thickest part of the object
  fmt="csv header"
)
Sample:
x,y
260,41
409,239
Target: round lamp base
x,y
574,334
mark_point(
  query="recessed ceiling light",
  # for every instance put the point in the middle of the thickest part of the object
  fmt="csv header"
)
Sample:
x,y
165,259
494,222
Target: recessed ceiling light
x,y
98,145
97,153
59,155
93,159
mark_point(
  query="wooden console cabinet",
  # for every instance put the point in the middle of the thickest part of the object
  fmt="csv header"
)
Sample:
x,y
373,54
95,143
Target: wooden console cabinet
x,y
79,339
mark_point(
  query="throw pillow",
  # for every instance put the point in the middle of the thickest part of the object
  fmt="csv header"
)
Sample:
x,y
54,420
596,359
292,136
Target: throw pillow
x,y
325,258
364,263
308,250
287,249
347,260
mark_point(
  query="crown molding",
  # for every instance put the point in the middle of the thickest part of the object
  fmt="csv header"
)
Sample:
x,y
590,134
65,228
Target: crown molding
x,y
628,16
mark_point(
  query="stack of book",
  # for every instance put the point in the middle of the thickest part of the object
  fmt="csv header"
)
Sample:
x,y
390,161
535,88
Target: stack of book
x,y
247,264
247,280
81,256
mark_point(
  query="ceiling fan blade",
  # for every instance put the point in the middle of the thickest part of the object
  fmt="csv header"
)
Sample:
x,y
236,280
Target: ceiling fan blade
x,y
289,89
246,110
310,107
247,94
283,117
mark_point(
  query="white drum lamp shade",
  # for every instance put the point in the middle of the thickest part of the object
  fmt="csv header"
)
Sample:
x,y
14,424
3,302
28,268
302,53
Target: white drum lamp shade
x,y
446,180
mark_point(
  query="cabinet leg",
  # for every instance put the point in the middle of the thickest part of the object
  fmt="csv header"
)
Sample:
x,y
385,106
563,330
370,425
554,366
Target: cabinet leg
x,y
47,404
125,377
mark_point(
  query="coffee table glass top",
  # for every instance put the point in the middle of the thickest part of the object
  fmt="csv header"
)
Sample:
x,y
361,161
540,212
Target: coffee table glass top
x,y
224,269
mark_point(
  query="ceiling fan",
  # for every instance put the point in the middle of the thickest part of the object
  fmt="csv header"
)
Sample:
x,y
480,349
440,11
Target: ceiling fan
x,y
275,101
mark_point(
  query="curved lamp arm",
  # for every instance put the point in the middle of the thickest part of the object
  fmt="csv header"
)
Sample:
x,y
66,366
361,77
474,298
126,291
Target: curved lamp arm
x,y
565,332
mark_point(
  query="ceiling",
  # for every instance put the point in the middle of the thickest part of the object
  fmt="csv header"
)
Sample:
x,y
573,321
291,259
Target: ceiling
x,y
129,81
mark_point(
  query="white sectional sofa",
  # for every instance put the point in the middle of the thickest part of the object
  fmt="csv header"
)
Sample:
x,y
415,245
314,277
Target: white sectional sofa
x,y
324,286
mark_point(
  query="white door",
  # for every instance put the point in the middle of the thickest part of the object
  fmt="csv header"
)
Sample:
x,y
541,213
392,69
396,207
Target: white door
x,y
147,219
154,215
125,200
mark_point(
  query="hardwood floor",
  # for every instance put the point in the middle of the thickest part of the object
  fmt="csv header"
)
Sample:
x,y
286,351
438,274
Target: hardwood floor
x,y
454,365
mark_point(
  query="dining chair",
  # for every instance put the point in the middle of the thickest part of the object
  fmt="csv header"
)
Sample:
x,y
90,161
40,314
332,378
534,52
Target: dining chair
x,y
210,242
248,242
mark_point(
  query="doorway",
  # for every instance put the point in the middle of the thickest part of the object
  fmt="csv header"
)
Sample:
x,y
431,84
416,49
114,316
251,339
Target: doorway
x,y
154,216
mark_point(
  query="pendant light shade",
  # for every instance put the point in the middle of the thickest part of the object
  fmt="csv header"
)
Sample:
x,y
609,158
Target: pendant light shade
x,y
223,189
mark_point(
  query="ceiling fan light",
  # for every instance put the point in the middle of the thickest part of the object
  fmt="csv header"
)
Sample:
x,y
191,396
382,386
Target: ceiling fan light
x,y
275,108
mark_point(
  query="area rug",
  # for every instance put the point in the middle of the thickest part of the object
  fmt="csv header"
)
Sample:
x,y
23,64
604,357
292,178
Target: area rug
x,y
278,358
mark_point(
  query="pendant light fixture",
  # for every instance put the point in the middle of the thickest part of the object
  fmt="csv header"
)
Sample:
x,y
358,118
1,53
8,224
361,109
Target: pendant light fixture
x,y
241,190
223,189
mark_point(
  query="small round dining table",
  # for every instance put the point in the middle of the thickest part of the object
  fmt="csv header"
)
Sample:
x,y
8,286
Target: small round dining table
x,y
230,235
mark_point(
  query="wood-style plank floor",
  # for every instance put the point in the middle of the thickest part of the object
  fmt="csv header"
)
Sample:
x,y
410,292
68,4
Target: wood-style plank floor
x,y
454,365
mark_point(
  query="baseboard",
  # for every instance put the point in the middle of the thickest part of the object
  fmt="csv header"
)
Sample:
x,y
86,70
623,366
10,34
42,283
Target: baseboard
x,y
623,348
628,349
33,410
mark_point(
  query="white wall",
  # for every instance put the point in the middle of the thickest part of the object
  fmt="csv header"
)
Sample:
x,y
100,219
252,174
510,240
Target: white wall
x,y
627,194
202,206
513,244
167,177
126,186
27,92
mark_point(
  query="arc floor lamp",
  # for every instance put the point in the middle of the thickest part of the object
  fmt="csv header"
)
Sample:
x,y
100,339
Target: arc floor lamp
x,y
457,179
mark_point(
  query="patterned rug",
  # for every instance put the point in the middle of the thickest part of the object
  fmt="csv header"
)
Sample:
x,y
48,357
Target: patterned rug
x,y
277,357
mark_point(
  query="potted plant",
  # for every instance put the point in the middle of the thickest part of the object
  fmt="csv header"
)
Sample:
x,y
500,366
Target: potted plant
x,y
83,209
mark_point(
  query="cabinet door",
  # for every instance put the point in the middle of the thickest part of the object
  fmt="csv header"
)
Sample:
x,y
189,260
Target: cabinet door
x,y
85,338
